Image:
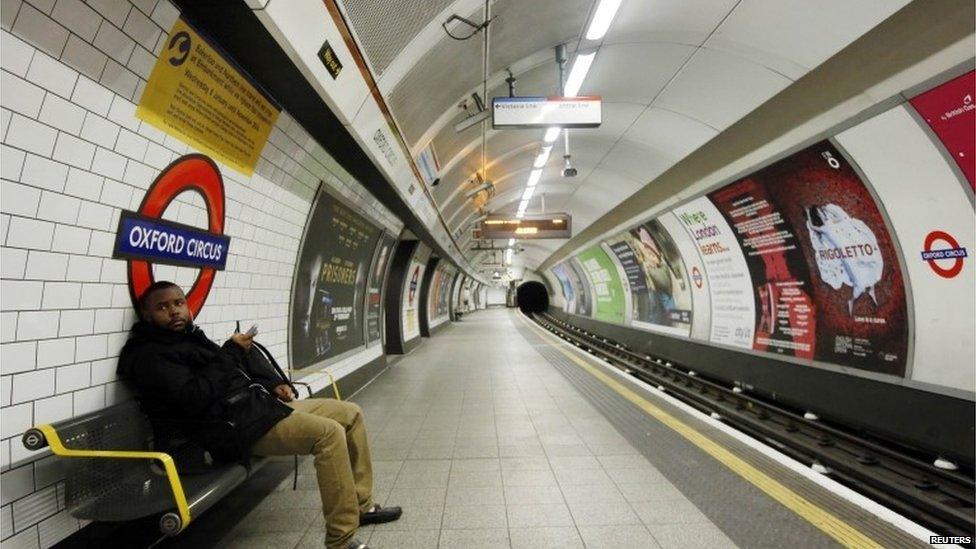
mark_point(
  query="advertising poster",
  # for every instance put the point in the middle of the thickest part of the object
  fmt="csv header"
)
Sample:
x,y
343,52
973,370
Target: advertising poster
x,y
327,315
411,293
444,293
583,304
608,293
667,297
695,274
440,287
559,271
374,297
825,276
949,109
636,280
458,286
733,307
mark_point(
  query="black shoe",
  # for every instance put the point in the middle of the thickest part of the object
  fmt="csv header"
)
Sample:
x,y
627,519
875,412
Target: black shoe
x,y
379,515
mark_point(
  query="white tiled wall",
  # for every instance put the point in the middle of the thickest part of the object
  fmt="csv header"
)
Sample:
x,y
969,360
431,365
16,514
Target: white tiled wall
x,y
72,156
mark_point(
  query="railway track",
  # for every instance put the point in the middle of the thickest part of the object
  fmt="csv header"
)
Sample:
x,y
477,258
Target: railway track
x,y
939,499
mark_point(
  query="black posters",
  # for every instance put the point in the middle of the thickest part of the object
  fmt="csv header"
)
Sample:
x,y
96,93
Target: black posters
x,y
330,282
374,295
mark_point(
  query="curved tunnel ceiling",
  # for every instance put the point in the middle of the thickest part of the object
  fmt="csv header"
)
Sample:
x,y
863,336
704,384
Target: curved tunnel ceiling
x,y
673,74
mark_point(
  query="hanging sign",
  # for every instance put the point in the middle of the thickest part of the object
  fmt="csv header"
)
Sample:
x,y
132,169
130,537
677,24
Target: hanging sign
x,y
542,112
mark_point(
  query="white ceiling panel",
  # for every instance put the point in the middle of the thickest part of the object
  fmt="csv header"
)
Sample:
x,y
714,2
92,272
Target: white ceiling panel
x,y
794,36
648,66
677,21
719,88
671,133
637,162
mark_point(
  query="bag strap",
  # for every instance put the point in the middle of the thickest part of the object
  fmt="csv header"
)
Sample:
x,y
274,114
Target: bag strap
x,y
274,363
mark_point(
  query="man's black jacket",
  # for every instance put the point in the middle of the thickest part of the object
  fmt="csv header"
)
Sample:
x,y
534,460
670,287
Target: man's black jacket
x,y
186,381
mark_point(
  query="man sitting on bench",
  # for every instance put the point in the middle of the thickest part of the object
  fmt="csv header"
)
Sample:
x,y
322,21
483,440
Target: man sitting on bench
x,y
180,374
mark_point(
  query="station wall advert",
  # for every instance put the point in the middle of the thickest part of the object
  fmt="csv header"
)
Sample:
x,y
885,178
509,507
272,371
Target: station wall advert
x,y
331,282
797,258
198,96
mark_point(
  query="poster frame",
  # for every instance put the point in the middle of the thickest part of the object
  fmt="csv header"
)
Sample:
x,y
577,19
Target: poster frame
x,y
322,189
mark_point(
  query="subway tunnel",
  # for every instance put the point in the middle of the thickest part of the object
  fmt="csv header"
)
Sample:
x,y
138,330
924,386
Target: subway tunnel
x,y
459,273
532,297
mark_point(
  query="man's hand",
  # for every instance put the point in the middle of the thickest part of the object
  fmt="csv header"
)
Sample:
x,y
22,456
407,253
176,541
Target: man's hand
x,y
243,340
284,393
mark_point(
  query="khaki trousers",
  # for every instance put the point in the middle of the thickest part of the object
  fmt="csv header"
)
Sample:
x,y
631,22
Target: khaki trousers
x,y
333,431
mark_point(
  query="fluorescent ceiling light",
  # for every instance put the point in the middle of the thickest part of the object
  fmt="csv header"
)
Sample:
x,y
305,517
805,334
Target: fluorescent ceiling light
x,y
543,157
551,134
534,177
602,19
523,205
520,215
577,74
527,195
511,241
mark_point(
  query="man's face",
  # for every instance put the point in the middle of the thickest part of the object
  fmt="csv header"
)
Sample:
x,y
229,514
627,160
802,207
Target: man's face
x,y
167,309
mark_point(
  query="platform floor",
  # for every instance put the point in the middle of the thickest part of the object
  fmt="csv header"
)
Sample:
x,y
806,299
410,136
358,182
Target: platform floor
x,y
489,435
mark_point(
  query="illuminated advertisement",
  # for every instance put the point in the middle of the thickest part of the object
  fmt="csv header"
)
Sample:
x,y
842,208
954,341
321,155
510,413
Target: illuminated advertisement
x,y
608,293
330,282
374,295
825,277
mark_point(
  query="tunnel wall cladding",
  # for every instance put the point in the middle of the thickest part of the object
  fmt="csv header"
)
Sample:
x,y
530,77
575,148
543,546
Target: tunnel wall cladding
x,y
73,156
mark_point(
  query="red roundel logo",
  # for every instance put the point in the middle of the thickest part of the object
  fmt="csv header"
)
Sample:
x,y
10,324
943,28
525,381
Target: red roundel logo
x,y
953,253
696,276
196,173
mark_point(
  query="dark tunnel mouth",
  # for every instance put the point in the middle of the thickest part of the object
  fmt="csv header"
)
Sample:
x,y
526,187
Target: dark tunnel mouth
x,y
532,297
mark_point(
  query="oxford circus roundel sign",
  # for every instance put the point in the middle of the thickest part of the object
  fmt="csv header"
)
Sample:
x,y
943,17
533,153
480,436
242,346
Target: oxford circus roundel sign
x,y
144,238
954,254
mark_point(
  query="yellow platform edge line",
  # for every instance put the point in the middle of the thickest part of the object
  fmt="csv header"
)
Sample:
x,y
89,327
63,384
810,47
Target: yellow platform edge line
x,y
827,522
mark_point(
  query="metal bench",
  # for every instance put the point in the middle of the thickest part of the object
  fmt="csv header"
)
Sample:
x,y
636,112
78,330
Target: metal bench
x,y
114,474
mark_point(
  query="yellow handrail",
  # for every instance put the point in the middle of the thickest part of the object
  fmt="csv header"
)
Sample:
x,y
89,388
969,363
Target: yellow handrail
x,y
335,388
54,441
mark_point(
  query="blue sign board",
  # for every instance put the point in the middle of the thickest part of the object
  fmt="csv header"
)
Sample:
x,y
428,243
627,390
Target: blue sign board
x,y
170,243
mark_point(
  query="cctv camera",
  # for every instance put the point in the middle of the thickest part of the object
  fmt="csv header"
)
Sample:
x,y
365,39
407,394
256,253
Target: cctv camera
x,y
435,182
569,170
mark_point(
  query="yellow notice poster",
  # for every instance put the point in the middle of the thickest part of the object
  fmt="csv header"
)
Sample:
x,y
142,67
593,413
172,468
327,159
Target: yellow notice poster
x,y
196,95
